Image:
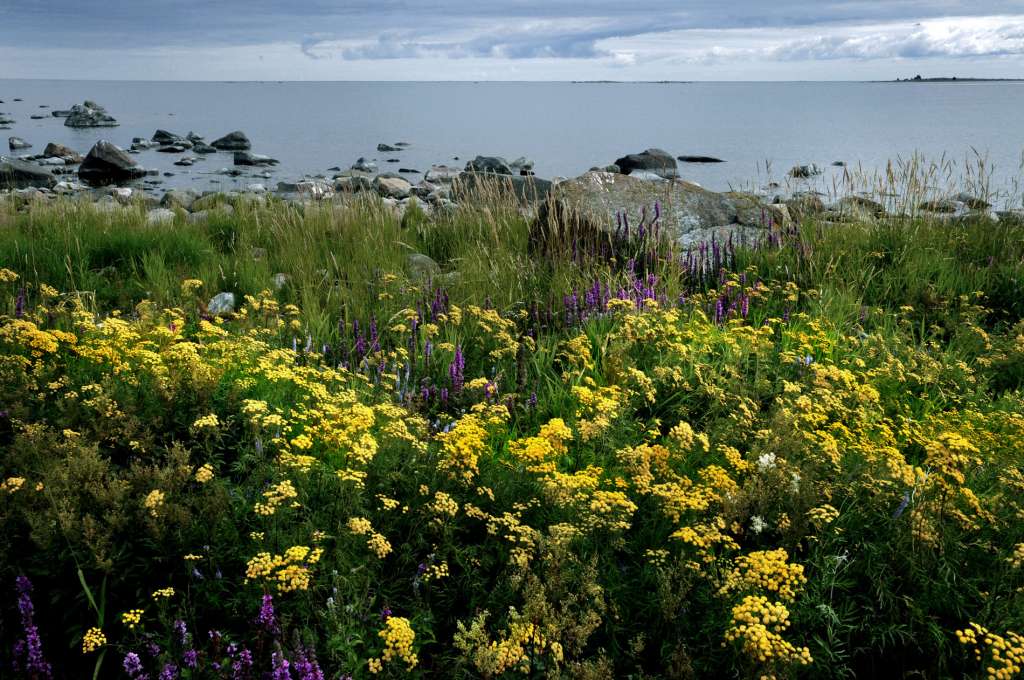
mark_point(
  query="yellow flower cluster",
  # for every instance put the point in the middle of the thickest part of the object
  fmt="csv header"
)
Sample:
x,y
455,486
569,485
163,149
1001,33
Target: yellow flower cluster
x,y
1002,655
757,624
276,496
132,618
436,572
93,640
822,515
398,638
163,593
766,570
207,422
204,474
376,542
466,441
12,484
288,572
153,502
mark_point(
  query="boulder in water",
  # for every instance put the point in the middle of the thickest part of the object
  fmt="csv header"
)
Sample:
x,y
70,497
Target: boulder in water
x,y
700,159
54,150
658,161
89,114
108,164
16,174
804,171
489,164
233,141
17,143
248,158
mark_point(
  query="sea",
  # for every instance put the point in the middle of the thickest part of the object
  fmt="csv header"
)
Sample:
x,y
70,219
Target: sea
x,y
759,129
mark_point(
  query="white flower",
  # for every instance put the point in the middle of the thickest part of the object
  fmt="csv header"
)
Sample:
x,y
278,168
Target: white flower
x,y
757,524
794,483
766,462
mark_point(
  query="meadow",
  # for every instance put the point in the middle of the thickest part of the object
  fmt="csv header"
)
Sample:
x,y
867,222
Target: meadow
x,y
796,458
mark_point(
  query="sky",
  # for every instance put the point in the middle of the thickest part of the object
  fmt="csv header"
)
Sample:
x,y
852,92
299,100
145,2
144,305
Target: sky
x,y
510,40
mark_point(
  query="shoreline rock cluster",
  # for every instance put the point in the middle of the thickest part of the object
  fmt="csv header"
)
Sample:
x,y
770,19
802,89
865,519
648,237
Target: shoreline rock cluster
x,y
111,175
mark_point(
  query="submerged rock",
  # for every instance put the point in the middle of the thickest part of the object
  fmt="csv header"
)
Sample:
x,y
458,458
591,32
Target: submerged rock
x,y
17,143
363,165
247,158
804,171
387,148
700,159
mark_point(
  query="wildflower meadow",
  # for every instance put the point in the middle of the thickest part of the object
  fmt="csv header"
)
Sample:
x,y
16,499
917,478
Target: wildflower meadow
x,y
800,456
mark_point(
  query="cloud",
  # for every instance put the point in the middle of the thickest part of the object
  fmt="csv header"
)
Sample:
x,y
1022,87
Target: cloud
x,y
959,37
644,39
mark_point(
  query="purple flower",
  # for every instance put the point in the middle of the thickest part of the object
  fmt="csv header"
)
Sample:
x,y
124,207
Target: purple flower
x,y
281,667
306,665
30,645
266,618
181,631
190,658
132,664
241,667
456,370
169,672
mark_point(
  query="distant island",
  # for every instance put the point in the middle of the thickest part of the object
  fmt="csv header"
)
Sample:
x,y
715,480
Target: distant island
x,y
954,79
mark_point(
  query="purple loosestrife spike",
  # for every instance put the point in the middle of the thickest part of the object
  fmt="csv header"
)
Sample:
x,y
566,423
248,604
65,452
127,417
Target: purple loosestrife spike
x,y
19,303
241,667
31,645
281,667
266,618
181,631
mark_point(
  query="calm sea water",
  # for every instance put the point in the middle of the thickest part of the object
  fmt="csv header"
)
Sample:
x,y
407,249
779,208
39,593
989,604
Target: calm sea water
x,y
760,129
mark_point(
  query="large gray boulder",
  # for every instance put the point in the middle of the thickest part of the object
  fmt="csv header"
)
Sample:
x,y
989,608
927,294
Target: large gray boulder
x,y
492,164
89,114
232,141
657,161
108,164
590,205
392,187
179,198
16,174
442,174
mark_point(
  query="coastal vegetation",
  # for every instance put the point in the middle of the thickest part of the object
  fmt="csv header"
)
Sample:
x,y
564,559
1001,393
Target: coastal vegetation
x,y
459,444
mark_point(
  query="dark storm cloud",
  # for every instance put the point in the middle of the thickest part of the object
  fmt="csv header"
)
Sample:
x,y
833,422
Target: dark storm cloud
x,y
387,29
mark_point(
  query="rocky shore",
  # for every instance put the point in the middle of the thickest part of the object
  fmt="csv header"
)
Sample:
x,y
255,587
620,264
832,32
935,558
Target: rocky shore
x,y
633,186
